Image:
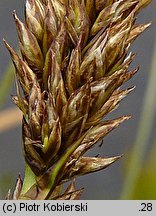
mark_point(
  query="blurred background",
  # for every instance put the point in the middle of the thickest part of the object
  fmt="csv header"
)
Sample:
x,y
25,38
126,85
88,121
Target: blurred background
x,y
134,175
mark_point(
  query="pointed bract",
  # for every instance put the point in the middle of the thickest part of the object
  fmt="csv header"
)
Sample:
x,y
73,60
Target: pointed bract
x,y
18,188
87,165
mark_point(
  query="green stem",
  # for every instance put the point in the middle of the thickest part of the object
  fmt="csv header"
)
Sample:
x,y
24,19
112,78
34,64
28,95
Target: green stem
x,y
143,135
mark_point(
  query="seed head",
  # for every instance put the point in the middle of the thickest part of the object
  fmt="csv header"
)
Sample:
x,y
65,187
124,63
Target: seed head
x,y
74,59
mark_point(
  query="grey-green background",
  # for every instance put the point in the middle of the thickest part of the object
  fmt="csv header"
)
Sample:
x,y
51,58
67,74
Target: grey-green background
x,y
106,184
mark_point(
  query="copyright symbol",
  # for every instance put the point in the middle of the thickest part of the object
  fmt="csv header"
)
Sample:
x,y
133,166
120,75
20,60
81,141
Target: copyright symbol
x,y
9,208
